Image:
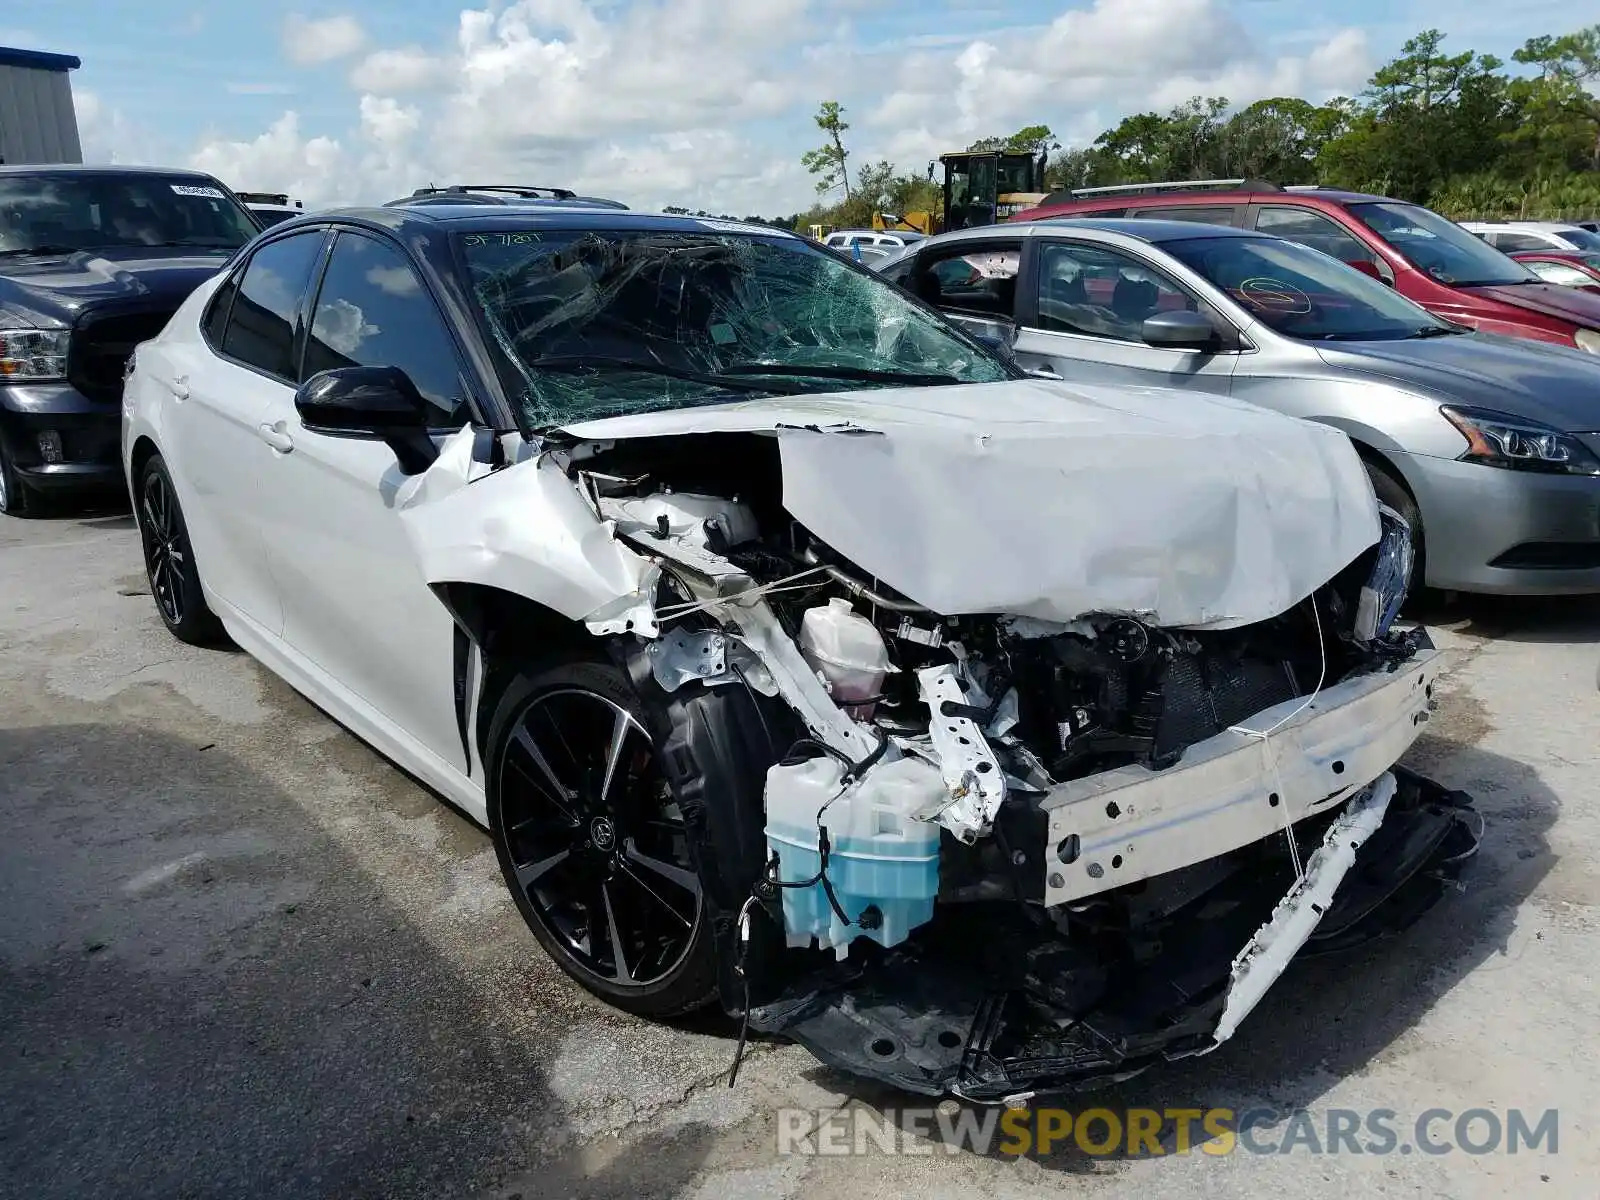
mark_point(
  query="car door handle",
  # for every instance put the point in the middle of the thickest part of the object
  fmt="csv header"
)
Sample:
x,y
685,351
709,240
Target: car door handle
x,y
276,436
1043,373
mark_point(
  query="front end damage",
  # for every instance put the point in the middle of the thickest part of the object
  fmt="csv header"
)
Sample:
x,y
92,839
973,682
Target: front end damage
x,y
1013,853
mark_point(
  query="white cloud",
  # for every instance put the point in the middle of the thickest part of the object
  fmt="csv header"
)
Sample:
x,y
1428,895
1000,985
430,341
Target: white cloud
x,y
281,160
1117,57
105,133
708,105
406,69
308,41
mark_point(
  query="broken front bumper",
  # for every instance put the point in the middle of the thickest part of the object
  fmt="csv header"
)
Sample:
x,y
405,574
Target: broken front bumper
x,y
1287,764
995,1009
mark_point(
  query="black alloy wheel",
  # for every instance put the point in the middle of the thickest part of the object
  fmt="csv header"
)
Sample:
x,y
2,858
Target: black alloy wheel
x,y
169,559
592,844
166,548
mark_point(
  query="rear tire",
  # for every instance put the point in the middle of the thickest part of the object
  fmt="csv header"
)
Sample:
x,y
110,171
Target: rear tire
x,y
169,560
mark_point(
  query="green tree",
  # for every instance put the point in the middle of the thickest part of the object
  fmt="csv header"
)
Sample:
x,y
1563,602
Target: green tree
x,y
1033,140
1561,101
828,161
1426,116
1278,139
1456,131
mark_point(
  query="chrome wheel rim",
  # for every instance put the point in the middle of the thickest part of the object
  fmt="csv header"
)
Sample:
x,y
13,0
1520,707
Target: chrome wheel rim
x,y
5,499
165,550
594,844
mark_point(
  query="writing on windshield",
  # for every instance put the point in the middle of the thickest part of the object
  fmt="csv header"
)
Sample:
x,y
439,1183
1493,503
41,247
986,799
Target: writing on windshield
x,y
1303,293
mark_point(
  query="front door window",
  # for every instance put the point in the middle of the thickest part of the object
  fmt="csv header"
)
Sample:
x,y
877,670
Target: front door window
x,y
1100,292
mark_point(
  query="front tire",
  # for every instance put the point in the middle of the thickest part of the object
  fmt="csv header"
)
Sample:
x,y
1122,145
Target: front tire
x,y
1392,492
591,841
169,559
17,499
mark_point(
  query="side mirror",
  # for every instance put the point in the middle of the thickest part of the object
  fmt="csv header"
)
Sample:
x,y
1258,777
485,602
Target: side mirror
x,y
380,403
1181,330
1367,267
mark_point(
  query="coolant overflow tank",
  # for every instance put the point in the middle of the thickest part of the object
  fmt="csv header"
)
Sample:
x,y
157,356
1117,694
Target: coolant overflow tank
x,y
847,650
882,862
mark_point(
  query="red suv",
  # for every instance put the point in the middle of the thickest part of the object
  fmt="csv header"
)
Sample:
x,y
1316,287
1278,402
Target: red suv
x,y
1432,261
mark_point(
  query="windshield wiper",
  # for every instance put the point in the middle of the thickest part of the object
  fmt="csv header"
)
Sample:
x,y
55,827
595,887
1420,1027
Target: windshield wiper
x,y
1428,331
862,374
581,362
43,250
205,243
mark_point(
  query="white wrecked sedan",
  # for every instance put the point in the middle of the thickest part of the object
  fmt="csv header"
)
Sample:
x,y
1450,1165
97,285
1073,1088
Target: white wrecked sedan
x,y
988,736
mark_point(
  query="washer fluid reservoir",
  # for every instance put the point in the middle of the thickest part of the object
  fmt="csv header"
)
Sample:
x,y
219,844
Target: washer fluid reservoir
x,y
883,863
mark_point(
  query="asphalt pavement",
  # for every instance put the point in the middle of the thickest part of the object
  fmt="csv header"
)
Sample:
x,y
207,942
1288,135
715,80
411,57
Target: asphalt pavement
x,y
241,955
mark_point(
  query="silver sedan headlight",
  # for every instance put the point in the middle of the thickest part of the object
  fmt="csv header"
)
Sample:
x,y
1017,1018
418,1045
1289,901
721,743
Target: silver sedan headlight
x,y
1501,440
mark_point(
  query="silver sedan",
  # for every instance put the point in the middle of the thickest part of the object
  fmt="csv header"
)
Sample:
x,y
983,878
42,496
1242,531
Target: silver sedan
x,y
1489,446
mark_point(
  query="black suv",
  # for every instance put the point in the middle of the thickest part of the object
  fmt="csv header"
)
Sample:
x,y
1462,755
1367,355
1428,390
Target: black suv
x,y
93,260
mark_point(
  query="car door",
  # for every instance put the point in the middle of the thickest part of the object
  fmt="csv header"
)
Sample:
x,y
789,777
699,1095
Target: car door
x,y
223,387
355,606
1083,317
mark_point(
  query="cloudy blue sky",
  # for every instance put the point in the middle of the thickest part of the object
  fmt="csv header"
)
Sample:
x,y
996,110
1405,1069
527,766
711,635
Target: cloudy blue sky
x,y
698,102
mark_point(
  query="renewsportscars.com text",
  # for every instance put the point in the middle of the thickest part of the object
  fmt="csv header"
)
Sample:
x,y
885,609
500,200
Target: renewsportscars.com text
x,y
1150,1132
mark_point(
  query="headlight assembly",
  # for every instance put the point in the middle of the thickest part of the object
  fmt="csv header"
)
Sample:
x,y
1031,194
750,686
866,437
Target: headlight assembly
x,y
1500,440
1588,339
31,355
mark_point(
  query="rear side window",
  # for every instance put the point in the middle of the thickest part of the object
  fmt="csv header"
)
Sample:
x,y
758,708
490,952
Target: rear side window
x,y
1314,230
1513,242
1205,214
215,323
373,311
264,316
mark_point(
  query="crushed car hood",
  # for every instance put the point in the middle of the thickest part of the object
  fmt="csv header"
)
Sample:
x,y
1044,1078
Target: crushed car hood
x,y
1050,501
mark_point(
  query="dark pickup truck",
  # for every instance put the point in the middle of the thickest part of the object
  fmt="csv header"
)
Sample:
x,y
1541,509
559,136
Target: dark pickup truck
x,y
93,261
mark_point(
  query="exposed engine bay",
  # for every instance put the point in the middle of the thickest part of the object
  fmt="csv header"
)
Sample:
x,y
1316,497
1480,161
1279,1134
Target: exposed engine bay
x,y
1005,855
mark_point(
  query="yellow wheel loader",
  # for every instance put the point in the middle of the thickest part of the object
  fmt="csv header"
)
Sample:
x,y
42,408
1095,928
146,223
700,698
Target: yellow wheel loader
x,y
982,187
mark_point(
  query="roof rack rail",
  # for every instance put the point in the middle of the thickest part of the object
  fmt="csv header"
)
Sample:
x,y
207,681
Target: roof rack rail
x,y
531,193
1181,185
280,198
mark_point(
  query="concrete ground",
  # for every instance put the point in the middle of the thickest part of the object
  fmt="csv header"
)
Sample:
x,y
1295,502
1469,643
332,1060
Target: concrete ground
x,y
242,956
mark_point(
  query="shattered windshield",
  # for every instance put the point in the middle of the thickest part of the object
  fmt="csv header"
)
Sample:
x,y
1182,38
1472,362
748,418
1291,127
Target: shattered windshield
x,y
599,323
